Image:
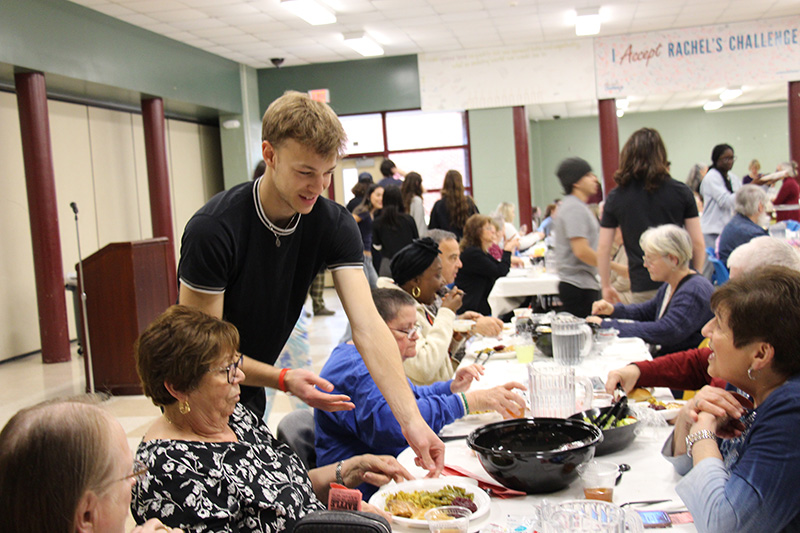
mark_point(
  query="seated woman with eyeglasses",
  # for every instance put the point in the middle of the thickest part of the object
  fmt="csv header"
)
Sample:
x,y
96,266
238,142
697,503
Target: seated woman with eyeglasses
x,y
371,427
66,467
212,464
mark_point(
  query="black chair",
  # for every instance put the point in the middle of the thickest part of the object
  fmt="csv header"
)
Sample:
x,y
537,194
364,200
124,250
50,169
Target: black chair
x,y
297,430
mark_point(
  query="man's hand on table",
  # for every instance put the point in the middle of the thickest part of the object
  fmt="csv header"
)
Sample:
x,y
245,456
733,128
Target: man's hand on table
x,y
428,448
627,376
315,391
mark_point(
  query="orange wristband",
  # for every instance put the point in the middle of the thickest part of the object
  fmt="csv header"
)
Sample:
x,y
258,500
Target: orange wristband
x,y
282,380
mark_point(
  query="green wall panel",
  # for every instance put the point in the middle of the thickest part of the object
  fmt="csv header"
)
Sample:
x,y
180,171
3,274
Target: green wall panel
x,y
494,168
63,38
363,86
689,136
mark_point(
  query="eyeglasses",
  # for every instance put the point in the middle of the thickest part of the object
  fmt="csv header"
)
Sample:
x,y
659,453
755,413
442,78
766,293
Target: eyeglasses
x,y
727,158
231,369
650,260
139,473
410,333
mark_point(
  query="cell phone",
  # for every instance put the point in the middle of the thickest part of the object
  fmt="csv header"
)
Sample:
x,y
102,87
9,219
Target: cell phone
x,y
598,384
655,519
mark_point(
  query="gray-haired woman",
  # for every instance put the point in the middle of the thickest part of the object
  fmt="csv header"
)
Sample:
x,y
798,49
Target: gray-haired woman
x,y
673,320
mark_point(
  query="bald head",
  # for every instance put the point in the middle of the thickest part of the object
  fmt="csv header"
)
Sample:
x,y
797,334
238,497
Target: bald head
x,y
761,252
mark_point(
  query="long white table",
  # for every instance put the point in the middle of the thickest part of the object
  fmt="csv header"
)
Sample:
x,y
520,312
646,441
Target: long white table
x,y
650,477
510,290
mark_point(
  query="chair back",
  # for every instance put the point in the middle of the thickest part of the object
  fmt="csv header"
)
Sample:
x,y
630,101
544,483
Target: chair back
x,y
720,274
297,430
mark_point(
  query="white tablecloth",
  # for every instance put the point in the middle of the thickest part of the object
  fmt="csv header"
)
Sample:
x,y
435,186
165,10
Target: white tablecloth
x,y
650,477
510,290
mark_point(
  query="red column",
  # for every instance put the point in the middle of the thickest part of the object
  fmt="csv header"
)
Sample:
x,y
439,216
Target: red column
x,y
45,239
609,144
521,152
155,145
794,120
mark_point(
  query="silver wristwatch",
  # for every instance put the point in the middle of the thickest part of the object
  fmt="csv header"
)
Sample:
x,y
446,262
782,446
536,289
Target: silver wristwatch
x,y
697,436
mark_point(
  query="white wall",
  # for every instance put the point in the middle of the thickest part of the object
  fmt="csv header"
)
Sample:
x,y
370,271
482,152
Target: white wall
x,y
99,162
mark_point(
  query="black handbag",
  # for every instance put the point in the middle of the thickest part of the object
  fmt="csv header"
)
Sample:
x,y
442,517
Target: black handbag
x,y
342,522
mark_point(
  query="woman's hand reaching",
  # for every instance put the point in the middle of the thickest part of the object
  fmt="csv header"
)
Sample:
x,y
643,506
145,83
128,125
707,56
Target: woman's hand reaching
x,y
502,399
464,376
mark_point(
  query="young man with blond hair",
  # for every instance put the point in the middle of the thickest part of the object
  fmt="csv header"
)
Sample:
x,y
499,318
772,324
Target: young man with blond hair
x,y
250,254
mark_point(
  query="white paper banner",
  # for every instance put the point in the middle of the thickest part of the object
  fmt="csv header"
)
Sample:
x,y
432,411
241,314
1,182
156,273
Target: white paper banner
x,y
506,77
745,53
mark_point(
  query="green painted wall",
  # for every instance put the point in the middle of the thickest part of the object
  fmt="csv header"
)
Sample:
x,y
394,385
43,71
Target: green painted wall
x,y
556,140
241,147
494,168
69,40
689,136
363,86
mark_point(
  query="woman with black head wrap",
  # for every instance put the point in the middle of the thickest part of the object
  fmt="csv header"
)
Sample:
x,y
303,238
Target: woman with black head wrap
x,y
717,190
417,270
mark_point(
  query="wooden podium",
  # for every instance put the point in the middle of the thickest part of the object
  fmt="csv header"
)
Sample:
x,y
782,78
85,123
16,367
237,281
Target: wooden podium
x,y
127,286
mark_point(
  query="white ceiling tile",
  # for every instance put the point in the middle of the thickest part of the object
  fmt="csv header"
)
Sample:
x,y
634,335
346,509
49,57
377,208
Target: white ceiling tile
x,y
253,31
152,6
139,19
114,10
199,24
244,38
228,10
246,21
178,15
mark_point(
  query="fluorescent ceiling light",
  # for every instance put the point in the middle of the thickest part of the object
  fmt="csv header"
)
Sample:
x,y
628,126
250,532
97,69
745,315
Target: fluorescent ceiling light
x,y
363,44
620,113
623,104
310,11
587,22
729,94
712,105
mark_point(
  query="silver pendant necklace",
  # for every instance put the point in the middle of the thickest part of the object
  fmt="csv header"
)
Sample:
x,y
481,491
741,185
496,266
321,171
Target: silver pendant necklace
x,y
281,232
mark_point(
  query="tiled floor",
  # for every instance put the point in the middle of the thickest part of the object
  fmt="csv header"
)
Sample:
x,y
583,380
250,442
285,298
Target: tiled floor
x,y
27,381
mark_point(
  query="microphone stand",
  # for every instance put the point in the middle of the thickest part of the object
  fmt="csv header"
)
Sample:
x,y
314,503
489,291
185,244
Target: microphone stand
x,y
85,321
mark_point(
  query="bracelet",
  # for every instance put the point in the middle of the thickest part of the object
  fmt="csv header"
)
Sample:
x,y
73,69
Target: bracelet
x,y
282,380
697,436
466,404
339,478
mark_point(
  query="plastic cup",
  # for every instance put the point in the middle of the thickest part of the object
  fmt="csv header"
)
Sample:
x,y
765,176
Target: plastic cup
x,y
448,519
602,399
599,478
524,348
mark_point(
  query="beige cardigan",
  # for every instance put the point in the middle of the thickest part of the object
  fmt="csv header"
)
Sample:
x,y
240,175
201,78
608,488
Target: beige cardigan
x,y
432,362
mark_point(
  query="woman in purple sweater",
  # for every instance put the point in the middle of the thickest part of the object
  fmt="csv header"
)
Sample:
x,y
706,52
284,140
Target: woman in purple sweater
x,y
673,320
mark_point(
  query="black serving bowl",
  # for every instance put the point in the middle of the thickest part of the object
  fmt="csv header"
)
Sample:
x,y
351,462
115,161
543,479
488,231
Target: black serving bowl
x,y
614,439
523,454
544,340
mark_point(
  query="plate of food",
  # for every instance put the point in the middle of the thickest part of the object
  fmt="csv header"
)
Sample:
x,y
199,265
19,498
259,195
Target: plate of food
x,y
408,501
668,409
498,351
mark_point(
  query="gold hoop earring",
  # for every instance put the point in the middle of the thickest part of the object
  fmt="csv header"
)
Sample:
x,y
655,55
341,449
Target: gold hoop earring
x,y
184,407
416,291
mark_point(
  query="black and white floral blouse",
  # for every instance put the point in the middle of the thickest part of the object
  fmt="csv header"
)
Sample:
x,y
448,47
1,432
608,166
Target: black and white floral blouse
x,y
255,485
